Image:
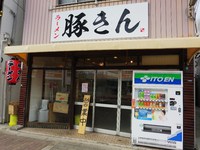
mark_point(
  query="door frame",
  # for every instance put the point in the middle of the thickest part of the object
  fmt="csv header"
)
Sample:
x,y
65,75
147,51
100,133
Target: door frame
x,y
118,106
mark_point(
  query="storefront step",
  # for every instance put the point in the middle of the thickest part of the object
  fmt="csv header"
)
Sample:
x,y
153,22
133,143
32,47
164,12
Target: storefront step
x,y
48,125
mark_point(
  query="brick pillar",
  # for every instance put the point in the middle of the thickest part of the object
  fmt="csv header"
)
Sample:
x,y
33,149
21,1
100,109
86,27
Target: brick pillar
x,y
189,104
22,100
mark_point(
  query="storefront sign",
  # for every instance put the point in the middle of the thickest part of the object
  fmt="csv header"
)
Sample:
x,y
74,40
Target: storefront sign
x,y
13,71
62,97
84,114
120,21
157,78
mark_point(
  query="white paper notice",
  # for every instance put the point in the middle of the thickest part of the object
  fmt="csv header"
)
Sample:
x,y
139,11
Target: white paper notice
x,y
84,87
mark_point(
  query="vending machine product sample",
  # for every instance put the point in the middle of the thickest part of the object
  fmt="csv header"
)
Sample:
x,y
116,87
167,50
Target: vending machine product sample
x,y
157,109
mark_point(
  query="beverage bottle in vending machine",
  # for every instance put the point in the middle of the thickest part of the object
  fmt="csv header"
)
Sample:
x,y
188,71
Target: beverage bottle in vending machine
x,y
141,94
160,105
146,94
158,96
163,105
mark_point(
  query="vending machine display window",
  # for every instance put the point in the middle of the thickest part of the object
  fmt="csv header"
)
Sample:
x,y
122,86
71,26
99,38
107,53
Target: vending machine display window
x,y
150,104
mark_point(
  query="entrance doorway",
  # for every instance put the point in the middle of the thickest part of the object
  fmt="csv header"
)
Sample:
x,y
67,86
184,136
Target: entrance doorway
x,y
110,108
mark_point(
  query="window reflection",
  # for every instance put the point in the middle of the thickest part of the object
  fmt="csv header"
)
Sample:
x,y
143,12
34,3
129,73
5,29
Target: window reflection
x,y
51,62
77,114
125,123
45,84
107,87
105,118
113,60
84,84
36,94
118,60
56,81
126,88
90,62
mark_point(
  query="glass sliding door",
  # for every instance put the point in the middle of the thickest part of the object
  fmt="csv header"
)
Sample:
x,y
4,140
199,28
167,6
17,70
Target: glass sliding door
x,y
106,98
126,96
86,78
110,106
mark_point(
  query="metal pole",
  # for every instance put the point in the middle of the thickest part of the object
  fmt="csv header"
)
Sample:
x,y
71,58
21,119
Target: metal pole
x,y
4,99
3,86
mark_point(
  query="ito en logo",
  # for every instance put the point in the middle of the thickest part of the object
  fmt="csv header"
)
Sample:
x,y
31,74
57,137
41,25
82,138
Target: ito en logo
x,y
157,79
145,78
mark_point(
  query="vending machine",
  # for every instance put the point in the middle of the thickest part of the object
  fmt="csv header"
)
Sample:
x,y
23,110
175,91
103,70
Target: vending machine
x,y
157,109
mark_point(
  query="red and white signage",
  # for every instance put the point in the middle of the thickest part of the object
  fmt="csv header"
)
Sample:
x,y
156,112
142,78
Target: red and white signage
x,y
13,71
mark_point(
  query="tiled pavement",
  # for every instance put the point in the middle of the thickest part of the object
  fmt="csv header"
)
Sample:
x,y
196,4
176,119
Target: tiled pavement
x,y
14,142
61,139
89,136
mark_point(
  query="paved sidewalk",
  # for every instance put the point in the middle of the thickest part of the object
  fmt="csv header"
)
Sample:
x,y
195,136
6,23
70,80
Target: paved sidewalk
x,y
43,139
14,142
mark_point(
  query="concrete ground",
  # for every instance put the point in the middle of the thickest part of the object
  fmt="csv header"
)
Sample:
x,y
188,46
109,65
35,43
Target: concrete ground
x,y
36,139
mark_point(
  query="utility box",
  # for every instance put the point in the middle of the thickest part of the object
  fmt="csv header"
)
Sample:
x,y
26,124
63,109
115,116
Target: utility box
x,y
13,108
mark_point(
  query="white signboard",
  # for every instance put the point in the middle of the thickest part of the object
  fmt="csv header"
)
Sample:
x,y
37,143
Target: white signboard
x,y
120,21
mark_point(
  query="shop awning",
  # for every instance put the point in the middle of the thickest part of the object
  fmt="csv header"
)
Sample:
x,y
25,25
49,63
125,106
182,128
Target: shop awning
x,y
192,44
